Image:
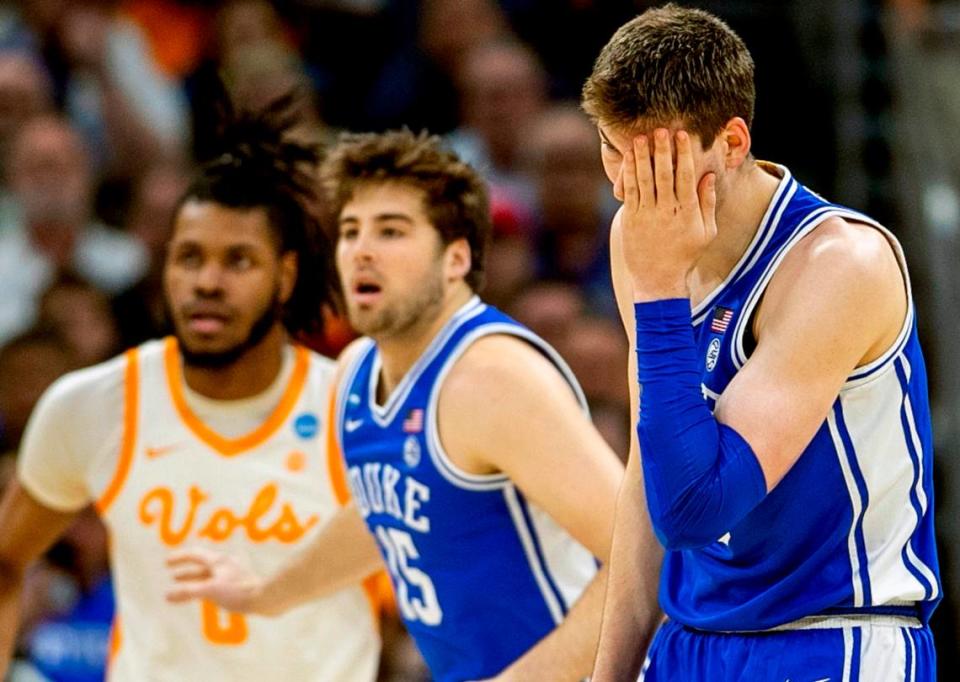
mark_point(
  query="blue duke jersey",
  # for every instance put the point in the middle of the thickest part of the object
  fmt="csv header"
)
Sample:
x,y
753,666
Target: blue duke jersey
x,y
849,530
480,573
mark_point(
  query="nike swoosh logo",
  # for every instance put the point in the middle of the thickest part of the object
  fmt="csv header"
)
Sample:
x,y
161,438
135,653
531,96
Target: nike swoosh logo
x,y
153,453
352,425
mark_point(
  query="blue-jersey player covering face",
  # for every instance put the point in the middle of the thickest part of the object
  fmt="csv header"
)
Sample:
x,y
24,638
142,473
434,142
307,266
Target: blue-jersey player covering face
x,y
784,447
475,472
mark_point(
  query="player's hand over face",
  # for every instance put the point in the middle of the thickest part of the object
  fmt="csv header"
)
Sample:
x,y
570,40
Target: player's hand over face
x,y
204,574
668,217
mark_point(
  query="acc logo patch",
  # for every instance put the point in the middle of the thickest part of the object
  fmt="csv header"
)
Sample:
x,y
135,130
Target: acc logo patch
x,y
306,425
411,451
713,353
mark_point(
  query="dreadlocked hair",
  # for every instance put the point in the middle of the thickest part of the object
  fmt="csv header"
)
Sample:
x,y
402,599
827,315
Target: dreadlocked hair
x,y
257,163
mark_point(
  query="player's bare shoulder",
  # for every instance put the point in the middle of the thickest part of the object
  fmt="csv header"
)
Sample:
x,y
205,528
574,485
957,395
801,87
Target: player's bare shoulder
x,y
854,268
856,256
498,364
856,246
499,382
478,379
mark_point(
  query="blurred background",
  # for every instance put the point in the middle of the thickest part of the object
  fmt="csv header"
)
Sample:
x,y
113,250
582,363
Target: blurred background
x,y
107,105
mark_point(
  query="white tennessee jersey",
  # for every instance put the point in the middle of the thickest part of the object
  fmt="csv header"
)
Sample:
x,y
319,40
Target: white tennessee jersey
x,y
167,480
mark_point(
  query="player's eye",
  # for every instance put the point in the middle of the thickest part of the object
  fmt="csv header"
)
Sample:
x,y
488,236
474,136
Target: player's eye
x,y
390,232
240,261
189,258
608,148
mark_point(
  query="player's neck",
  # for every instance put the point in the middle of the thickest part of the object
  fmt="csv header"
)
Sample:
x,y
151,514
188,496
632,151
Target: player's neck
x,y
251,374
399,352
738,220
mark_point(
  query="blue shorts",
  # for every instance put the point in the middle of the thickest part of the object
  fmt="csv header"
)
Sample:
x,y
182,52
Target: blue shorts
x,y
856,653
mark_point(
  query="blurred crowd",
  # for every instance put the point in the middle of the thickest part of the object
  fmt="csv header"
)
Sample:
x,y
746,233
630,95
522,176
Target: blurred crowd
x,y
107,105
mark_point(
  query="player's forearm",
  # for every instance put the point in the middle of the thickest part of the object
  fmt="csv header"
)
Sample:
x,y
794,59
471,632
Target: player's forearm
x,y
341,555
702,477
630,612
11,588
566,653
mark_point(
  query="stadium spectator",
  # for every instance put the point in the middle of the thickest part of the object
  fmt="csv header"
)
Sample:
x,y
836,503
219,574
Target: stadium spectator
x,y
52,185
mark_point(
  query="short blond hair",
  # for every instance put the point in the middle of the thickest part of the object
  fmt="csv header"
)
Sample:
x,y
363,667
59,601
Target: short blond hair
x,y
672,64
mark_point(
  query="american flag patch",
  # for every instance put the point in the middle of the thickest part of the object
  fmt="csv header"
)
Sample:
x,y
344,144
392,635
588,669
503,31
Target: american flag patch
x,y
414,421
721,319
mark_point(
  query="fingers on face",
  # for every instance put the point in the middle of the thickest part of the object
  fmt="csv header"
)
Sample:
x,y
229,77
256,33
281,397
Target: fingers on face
x,y
643,163
686,187
651,176
663,166
708,204
628,177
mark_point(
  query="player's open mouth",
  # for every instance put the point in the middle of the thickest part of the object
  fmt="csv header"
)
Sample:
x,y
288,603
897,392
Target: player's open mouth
x,y
365,292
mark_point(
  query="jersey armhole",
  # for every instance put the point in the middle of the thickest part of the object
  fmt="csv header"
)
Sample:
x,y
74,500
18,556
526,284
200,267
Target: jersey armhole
x,y
131,415
741,342
441,459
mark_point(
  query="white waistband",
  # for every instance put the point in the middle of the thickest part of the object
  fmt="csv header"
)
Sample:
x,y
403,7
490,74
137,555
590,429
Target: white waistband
x,y
847,621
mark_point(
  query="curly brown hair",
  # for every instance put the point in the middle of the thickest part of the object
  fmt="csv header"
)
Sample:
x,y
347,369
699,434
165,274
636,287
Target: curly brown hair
x,y
672,64
456,199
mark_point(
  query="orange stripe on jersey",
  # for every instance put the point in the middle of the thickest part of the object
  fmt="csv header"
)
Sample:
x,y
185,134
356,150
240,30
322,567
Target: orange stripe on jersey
x,y
131,409
234,446
335,466
116,639
379,591
377,587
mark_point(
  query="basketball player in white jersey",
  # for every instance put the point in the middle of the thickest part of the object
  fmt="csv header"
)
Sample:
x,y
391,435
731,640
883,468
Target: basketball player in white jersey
x,y
213,437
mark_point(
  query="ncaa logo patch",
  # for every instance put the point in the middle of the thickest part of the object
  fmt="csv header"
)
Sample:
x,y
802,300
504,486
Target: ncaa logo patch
x,y
713,353
306,425
411,451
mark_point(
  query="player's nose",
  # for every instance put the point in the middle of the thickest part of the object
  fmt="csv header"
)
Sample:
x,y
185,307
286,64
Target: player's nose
x,y
209,277
363,247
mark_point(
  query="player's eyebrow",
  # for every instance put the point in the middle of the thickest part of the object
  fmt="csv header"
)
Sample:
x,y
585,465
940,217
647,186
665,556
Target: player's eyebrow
x,y
382,217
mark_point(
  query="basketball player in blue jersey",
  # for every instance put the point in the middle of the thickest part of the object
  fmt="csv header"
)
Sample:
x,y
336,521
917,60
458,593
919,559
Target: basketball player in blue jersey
x,y
469,453
784,432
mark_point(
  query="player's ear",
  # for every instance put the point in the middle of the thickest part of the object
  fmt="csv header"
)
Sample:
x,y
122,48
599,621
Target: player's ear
x,y
736,140
457,259
289,267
